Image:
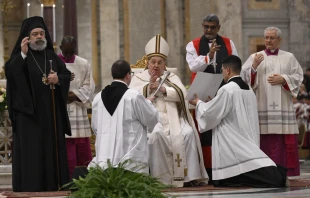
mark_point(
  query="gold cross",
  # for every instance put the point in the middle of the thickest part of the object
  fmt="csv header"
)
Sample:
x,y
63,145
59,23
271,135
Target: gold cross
x,y
178,160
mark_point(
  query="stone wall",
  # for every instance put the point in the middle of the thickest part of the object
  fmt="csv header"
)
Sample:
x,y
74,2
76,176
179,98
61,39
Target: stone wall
x,y
256,17
299,29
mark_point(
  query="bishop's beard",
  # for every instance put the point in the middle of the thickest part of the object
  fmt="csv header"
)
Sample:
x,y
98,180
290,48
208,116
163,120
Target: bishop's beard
x,y
38,44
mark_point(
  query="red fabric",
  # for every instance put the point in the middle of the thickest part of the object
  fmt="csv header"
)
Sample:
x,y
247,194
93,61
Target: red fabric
x,y
196,43
79,152
253,76
268,52
290,142
70,60
227,44
283,150
285,86
207,156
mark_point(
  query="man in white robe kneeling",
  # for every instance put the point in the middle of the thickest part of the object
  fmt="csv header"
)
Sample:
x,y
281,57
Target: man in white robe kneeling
x,y
120,117
232,114
175,151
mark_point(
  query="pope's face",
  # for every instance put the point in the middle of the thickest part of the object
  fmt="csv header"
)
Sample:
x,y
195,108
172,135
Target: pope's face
x,y
156,64
272,40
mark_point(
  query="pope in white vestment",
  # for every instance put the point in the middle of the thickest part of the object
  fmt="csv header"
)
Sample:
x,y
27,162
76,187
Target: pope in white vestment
x,y
275,76
237,159
120,119
175,151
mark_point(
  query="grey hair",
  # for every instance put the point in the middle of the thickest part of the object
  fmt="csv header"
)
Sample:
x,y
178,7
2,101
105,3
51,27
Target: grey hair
x,y
211,18
273,28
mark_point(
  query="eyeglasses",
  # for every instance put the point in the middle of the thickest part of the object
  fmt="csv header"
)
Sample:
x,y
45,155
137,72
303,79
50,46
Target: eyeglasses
x,y
270,38
212,27
132,73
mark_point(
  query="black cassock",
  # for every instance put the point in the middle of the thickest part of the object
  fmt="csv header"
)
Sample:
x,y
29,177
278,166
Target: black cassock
x,y
39,161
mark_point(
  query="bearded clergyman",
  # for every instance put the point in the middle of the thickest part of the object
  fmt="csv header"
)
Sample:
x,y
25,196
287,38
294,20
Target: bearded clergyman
x,y
37,91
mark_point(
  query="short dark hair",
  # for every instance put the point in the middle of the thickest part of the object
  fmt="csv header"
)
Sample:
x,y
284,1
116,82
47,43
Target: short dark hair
x,y
233,62
211,18
120,69
308,69
68,39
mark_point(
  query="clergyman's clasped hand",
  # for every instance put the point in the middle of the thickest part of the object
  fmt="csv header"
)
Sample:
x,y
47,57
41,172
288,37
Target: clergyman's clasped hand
x,y
52,78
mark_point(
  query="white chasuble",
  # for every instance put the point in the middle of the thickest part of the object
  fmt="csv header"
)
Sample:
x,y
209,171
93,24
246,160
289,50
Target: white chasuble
x,y
83,87
275,105
123,135
175,150
232,115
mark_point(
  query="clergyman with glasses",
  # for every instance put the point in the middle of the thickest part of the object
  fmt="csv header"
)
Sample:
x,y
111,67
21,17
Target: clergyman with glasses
x,y
275,76
37,90
206,54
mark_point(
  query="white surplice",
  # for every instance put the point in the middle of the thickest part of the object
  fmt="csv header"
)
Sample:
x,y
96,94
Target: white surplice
x,y
83,87
275,105
175,150
232,115
123,135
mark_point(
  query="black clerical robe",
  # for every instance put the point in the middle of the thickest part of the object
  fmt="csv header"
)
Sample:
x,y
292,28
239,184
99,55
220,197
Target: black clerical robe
x,y
39,154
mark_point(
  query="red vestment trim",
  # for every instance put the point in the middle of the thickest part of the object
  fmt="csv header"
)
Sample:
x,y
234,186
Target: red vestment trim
x,y
253,76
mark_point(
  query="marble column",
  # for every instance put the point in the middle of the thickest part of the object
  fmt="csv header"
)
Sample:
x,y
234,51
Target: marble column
x,y
84,28
109,37
59,24
144,22
175,37
1,41
70,19
299,29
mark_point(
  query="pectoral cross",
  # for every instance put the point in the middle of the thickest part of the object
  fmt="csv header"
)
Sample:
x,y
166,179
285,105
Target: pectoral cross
x,y
273,105
178,160
69,111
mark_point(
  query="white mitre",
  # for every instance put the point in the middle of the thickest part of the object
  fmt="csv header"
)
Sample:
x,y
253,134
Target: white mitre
x,y
157,46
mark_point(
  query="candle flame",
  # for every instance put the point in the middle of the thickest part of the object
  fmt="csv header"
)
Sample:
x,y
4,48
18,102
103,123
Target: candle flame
x,y
28,4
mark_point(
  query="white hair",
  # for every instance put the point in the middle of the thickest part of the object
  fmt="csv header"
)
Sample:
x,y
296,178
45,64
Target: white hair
x,y
273,28
38,45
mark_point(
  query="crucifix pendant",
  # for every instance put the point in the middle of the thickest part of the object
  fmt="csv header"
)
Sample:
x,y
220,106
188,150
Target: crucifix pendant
x,y
44,80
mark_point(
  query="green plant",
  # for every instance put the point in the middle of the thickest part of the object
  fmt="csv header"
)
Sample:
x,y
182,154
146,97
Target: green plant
x,y
116,182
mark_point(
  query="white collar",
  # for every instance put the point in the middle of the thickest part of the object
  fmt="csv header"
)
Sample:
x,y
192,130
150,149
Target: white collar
x,y
120,82
233,77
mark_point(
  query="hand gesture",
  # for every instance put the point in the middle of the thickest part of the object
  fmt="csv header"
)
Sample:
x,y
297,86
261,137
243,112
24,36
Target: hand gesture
x,y
195,100
72,76
258,58
153,83
151,98
24,45
276,79
214,47
71,97
52,77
